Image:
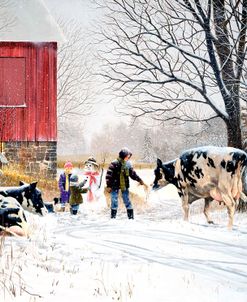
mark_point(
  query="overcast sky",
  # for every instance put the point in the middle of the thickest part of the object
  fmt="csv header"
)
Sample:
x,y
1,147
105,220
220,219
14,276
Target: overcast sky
x,y
84,12
81,10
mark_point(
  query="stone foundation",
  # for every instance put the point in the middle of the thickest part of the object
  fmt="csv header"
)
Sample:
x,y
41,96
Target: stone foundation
x,y
33,157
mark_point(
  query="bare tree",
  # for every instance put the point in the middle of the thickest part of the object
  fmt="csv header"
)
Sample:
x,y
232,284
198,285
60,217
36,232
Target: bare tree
x,y
71,138
148,153
75,89
113,137
7,21
177,59
75,92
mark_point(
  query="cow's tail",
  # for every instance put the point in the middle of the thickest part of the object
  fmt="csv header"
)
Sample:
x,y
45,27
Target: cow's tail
x,y
242,205
244,180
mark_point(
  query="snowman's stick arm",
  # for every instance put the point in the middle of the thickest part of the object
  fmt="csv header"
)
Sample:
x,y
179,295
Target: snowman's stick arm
x,y
102,172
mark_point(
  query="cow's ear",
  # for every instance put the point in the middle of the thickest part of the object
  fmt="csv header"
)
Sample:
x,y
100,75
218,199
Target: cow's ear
x,y
4,193
34,184
159,163
21,183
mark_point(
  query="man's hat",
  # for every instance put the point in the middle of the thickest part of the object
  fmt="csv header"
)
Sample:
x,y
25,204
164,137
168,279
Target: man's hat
x,y
124,152
92,161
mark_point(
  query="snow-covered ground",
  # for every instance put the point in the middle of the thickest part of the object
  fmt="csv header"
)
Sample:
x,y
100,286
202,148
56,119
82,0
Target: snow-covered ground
x,y
156,257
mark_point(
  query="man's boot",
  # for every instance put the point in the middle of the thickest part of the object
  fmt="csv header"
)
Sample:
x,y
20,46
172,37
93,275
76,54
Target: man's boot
x,y
130,213
113,213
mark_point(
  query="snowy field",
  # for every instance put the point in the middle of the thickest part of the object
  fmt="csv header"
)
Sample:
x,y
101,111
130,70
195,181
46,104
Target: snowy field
x,y
156,257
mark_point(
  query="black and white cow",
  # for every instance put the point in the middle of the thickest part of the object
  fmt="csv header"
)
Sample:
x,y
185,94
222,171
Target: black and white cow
x,y
12,216
28,195
205,172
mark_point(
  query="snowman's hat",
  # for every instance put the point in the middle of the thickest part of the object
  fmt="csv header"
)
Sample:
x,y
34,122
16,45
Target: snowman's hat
x,y
92,161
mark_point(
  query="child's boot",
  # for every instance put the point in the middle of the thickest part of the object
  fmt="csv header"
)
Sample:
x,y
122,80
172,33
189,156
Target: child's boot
x,y
130,213
113,213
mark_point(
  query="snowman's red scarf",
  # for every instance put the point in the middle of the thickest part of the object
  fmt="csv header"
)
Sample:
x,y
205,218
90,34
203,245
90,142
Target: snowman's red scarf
x,y
92,179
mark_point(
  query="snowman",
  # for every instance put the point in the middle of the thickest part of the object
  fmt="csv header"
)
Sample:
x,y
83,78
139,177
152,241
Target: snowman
x,y
95,196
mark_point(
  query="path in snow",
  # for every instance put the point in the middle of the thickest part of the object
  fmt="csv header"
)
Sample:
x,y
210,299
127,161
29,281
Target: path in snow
x,y
160,237
174,244
156,257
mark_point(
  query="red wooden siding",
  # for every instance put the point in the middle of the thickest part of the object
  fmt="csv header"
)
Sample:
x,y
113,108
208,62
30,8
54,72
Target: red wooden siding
x,y
12,81
28,91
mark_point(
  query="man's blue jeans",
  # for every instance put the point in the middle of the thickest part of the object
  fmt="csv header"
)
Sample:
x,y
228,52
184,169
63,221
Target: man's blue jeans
x,y
126,200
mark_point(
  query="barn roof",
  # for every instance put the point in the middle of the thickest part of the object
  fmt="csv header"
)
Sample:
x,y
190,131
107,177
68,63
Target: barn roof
x,y
32,21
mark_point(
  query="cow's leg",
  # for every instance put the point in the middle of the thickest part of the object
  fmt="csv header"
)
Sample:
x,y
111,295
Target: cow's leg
x,y
243,197
230,204
242,203
206,209
230,211
237,188
185,205
236,202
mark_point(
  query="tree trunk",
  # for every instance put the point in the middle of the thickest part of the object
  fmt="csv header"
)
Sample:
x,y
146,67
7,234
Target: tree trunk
x,y
234,134
231,93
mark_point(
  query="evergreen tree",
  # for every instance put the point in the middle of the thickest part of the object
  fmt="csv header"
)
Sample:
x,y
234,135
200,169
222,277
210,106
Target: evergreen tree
x,y
148,152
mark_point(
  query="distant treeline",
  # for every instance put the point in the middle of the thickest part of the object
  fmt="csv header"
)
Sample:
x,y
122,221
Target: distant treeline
x,y
104,163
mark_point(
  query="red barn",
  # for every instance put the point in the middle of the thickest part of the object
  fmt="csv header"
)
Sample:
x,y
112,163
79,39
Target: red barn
x,y
28,89
28,86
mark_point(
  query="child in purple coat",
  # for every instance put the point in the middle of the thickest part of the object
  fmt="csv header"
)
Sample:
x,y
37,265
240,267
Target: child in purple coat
x,y
64,183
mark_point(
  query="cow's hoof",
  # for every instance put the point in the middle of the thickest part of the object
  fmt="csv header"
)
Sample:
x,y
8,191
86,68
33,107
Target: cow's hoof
x,y
210,222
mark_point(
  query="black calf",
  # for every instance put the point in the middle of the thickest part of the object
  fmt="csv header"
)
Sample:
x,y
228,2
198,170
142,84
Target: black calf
x,y
28,195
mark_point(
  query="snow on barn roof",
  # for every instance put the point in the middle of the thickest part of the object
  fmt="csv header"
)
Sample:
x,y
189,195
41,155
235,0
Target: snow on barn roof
x,y
32,22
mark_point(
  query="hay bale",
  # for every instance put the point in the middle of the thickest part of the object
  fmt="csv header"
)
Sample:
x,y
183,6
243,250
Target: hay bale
x,y
138,196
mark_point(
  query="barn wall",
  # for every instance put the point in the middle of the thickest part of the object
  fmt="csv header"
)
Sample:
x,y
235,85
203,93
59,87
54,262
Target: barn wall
x,y
28,110
34,158
36,119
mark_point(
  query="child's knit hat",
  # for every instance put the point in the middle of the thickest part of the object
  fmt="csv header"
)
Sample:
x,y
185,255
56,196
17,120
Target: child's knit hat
x,y
73,180
68,164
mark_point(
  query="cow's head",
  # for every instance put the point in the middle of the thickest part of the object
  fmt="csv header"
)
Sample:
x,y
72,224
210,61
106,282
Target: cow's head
x,y
164,174
12,214
157,175
33,198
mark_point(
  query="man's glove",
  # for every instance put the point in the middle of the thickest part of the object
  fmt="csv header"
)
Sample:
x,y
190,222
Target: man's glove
x,y
141,182
108,189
